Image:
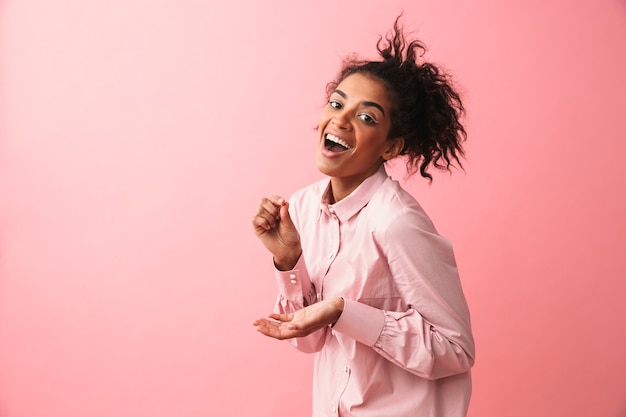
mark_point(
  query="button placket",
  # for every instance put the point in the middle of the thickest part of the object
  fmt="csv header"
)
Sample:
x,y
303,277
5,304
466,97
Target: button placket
x,y
333,238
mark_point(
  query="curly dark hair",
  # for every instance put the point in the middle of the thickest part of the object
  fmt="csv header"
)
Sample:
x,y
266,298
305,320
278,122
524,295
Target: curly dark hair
x,y
426,108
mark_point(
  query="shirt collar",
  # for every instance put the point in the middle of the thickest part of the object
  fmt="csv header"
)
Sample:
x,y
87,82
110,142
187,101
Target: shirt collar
x,y
357,199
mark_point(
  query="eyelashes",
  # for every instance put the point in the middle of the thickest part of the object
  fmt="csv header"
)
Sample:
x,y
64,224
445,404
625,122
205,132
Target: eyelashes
x,y
364,117
367,118
335,104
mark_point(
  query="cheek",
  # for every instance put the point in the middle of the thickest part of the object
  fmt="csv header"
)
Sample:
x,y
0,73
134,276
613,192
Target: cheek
x,y
323,121
373,141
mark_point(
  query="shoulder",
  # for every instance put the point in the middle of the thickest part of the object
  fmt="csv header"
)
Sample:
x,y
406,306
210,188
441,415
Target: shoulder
x,y
392,206
401,225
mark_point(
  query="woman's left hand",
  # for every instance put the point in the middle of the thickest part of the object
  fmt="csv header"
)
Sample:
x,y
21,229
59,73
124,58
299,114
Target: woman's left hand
x,y
303,322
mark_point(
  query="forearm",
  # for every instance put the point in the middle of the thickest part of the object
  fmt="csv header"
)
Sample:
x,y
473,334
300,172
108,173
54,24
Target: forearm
x,y
295,292
408,341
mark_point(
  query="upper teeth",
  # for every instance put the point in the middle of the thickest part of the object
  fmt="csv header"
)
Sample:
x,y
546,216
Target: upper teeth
x,y
337,140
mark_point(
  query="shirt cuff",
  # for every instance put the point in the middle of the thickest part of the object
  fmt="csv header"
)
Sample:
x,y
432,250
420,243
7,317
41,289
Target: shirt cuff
x,y
361,322
295,283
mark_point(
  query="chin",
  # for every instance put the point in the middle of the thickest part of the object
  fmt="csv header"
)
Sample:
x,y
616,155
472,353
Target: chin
x,y
323,168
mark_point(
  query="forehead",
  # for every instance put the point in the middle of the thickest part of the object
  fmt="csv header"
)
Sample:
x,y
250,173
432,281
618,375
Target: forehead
x,y
362,87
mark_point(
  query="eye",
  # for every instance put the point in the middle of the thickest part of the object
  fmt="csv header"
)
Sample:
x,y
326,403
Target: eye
x,y
368,119
335,104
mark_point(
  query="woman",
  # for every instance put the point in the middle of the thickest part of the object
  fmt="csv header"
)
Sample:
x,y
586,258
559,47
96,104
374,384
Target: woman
x,y
364,279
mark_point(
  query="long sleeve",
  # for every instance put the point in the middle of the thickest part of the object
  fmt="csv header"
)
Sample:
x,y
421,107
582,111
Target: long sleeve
x,y
295,291
431,337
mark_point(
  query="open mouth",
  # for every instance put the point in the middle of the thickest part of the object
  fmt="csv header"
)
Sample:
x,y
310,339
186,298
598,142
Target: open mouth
x,y
335,144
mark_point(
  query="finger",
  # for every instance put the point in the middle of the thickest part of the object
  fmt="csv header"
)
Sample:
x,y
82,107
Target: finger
x,y
266,215
281,324
281,317
278,200
272,205
264,221
285,217
259,322
272,329
265,324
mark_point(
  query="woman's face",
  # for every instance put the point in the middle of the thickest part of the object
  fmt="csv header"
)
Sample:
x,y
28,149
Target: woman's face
x,y
353,131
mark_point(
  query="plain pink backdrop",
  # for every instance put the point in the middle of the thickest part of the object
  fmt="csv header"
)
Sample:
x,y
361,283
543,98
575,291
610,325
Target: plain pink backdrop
x,y
138,136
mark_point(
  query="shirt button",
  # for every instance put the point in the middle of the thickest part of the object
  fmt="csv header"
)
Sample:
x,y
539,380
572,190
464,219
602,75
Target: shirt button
x,y
332,332
334,408
346,369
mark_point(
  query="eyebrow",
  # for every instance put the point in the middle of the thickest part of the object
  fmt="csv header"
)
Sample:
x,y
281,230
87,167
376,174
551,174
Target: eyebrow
x,y
365,103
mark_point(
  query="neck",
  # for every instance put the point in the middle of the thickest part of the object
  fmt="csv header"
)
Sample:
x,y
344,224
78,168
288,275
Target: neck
x,y
340,188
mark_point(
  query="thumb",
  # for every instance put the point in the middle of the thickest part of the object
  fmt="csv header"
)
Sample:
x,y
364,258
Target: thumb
x,y
285,218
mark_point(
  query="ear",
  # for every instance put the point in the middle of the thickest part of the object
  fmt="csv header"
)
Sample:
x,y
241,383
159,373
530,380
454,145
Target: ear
x,y
394,148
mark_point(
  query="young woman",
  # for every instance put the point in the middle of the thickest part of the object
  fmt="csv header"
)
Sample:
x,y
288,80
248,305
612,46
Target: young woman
x,y
364,279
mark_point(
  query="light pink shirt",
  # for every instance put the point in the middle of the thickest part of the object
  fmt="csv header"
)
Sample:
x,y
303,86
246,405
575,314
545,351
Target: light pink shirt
x,y
403,345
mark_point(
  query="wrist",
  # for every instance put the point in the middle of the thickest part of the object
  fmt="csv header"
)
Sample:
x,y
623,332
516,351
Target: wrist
x,y
287,263
339,304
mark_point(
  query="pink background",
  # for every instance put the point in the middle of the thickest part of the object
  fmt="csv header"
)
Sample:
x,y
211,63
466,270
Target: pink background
x,y
138,136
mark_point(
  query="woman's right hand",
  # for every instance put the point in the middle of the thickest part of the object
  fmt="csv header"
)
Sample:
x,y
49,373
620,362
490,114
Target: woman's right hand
x,y
272,224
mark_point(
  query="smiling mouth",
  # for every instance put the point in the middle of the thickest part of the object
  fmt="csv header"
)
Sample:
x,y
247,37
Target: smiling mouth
x,y
335,144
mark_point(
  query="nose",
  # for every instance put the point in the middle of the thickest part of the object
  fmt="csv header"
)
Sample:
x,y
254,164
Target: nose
x,y
341,120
